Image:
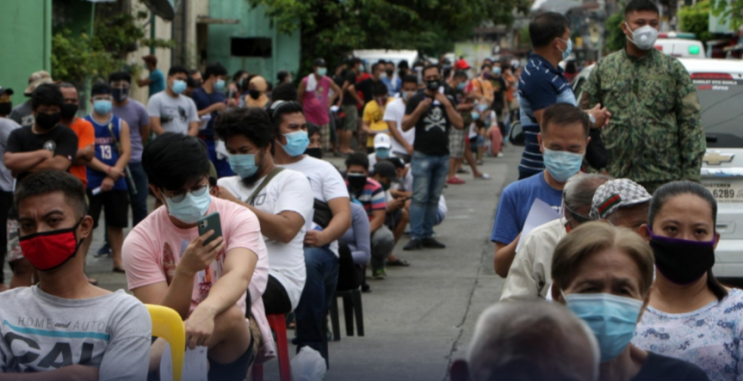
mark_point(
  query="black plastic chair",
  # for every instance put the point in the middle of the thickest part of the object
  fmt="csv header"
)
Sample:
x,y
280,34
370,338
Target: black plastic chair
x,y
349,288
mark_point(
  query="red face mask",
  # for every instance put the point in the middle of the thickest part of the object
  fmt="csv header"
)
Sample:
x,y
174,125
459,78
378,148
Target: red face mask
x,y
49,250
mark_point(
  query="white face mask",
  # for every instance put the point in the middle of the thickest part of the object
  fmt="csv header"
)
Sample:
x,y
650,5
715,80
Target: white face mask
x,y
643,37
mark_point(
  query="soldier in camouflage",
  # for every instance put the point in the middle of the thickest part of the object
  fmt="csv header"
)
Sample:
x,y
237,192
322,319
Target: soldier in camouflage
x,y
655,135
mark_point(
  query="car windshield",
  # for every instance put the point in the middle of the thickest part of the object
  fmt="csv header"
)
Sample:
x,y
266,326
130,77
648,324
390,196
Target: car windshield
x,y
722,116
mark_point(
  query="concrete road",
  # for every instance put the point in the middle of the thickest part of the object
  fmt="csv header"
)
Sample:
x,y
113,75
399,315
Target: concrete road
x,y
421,317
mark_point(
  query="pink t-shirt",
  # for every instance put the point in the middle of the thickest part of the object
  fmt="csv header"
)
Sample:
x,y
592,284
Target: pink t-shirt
x,y
315,103
154,247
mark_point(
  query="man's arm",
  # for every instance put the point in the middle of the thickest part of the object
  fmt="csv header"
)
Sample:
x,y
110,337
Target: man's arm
x,y
692,139
144,82
337,93
57,162
282,227
341,221
521,283
84,155
23,161
193,128
392,127
377,220
410,120
504,254
454,118
156,126
219,106
300,91
126,147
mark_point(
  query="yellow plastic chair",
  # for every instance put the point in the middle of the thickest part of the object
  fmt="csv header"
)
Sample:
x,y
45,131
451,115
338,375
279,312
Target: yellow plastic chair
x,y
167,324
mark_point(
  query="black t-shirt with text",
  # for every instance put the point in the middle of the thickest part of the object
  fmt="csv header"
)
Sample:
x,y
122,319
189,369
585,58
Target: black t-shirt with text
x,y
662,368
59,139
432,129
348,98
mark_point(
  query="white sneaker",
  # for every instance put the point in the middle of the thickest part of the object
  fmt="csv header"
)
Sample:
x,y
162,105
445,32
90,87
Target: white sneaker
x,y
500,154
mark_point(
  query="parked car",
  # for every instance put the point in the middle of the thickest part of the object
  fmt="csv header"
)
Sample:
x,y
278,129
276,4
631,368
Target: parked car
x,y
682,45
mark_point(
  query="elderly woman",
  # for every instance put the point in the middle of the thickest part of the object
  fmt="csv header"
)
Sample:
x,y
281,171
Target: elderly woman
x,y
604,274
690,316
257,88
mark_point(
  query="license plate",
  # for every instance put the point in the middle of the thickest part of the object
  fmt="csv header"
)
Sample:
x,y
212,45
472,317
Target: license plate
x,y
725,191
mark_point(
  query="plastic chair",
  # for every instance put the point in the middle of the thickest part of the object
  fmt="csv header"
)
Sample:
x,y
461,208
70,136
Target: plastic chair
x,y
167,324
278,325
351,307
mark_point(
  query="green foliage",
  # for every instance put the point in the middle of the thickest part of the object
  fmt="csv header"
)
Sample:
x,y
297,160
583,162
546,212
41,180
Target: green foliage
x,y
332,28
695,19
524,39
734,12
74,58
615,39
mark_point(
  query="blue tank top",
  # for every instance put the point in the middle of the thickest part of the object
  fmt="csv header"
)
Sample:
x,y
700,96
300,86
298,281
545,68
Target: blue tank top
x,y
105,150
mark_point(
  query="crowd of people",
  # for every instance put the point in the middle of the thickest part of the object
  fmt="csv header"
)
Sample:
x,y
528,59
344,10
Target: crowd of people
x,y
250,221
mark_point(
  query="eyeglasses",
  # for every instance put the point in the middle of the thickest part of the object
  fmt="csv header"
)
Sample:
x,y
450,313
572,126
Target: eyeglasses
x,y
181,195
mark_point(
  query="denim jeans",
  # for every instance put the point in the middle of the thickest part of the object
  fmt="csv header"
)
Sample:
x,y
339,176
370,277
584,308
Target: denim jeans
x,y
318,293
429,175
138,201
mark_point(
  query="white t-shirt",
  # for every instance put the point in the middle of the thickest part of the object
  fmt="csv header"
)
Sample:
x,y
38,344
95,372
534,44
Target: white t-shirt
x,y
326,182
394,112
175,113
287,191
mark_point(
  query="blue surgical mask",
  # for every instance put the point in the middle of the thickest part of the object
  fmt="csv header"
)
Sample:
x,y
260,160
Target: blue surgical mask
x,y
361,67
296,143
568,49
192,207
475,115
460,86
243,165
611,318
102,106
405,96
562,164
382,153
496,70
482,107
178,86
321,71
219,85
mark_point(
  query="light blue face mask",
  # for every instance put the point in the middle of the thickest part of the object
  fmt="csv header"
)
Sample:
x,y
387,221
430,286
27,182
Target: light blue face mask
x,y
192,207
102,106
482,107
178,86
568,49
243,165
475,115
496,70
460,86
296,143
562,164
611,318
321,71
382,153
219,85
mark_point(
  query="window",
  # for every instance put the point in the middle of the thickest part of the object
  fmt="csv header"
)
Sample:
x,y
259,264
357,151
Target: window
x,y
251,47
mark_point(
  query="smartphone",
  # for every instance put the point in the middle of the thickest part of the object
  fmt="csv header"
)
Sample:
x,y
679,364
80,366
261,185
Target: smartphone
x,y
210,222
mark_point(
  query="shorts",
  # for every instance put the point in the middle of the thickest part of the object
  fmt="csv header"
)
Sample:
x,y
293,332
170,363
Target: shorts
x,y
392,219
115,203
235,371
477,142
456,143
351,118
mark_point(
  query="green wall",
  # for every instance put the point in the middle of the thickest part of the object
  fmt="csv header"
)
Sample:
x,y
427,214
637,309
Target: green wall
x,y
26,42
253,23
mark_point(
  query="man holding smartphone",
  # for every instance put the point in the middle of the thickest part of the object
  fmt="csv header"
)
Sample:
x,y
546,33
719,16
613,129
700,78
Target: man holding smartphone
x,y
169,263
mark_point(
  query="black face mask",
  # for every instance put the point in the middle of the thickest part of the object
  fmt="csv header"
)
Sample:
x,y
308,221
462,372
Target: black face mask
x,y
6,108
433,85
314,152
390,72
682,261
68,110
119,95
47,121
356,180
254,94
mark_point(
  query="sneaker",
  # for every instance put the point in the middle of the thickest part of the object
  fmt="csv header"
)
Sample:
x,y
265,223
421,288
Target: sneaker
x,y
432,243
379,274
455,181
414,244
104,250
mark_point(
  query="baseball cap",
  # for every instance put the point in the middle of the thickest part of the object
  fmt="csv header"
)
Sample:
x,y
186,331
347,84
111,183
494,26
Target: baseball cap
x,y
386,169
37,78
319,62
461,65
382,141
617,194
3,90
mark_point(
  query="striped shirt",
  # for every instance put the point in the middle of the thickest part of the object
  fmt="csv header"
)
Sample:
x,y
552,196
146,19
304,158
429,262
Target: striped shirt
x,y
540,86
371,197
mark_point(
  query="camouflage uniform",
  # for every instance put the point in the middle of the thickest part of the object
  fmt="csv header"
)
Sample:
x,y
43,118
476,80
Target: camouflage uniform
x,y
655,134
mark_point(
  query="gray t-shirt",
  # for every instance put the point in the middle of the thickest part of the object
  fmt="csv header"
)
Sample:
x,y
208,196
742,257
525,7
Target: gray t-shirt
x,y
6,179
136,117
23,114
41,332
175,113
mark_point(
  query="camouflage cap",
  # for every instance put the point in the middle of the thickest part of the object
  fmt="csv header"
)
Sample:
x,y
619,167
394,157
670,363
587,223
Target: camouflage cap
x,y
617,194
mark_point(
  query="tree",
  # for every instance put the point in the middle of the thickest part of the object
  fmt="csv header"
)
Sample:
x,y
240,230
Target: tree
x,y
615,39
695,19
332,28
731,9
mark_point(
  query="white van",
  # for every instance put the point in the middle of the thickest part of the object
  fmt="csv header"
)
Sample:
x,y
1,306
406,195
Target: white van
x,y
371,56
720,89
680,47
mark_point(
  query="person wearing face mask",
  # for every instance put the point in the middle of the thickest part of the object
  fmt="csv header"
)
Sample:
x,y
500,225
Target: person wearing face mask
x,y
256,97
332,217
371,195
351,100
107,179
82,128
23,113
382,147
563,139
372,122
482,86
280,198
432,114
170,110
136,116
656,135
210,101
196,76
604,274
52,208
397,210
394,112
391,79
7,126
43,145
202,277
367,85
543,84
155,82
681,231
313,149
314,93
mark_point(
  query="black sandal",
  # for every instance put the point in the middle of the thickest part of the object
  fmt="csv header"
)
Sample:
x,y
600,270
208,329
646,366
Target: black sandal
x,y
398,262
119,269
